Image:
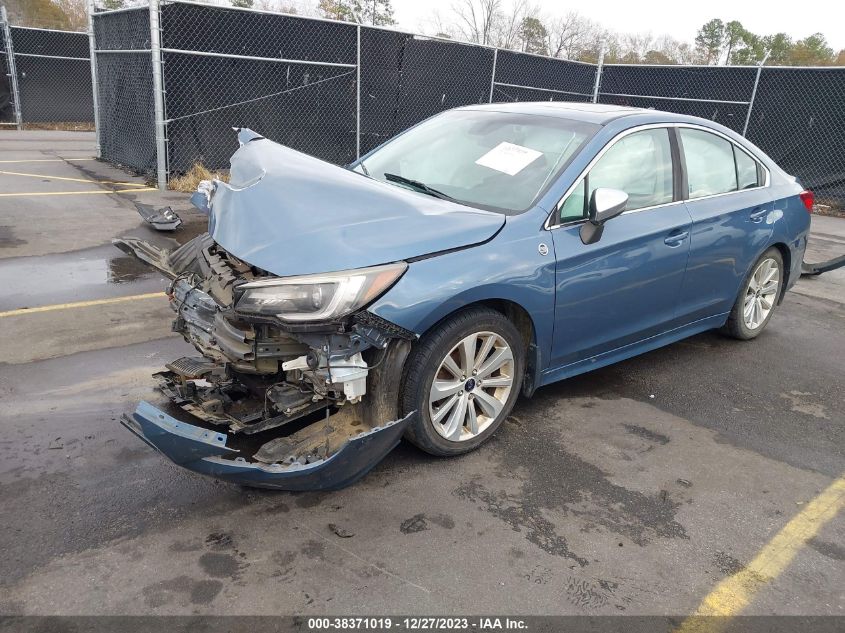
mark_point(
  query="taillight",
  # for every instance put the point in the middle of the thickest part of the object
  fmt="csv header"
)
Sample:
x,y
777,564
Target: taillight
x,y
808,198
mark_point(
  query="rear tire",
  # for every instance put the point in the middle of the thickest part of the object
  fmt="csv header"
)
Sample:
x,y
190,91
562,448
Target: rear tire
x,y
463,379
757,299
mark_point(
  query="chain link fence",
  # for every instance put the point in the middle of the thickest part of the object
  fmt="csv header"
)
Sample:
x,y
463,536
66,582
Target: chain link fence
x,y
798,119
125,95
336,89
527,77
46,77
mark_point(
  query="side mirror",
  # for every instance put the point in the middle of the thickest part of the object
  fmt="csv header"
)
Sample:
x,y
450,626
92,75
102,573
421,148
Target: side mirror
x,y
605,204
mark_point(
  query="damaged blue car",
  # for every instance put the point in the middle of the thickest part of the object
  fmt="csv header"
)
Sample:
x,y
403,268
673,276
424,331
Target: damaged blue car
x,y
419,291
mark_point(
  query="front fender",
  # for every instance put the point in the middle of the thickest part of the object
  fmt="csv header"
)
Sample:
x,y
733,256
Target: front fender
x,y
509,267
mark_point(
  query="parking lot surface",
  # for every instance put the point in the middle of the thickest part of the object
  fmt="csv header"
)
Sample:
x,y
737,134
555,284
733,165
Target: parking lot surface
x,y
679,479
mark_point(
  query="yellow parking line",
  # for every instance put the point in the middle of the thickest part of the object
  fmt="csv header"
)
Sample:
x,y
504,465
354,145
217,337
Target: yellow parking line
x,y
733,594
75,193
49,177
80,304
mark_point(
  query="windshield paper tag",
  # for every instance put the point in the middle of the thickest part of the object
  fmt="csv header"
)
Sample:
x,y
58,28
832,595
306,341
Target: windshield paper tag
x,y
508,158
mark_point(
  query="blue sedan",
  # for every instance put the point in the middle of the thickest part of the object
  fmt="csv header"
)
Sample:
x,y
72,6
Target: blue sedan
x,y
485,252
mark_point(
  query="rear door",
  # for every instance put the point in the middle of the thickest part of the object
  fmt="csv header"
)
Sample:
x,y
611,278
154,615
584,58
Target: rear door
x,y
730,204
625,287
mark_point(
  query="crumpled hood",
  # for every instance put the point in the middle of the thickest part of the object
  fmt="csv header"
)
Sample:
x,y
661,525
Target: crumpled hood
x,y
292,214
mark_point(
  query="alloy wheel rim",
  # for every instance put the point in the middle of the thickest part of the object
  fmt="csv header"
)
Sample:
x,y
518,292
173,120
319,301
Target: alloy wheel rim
x,y
761,293
471,386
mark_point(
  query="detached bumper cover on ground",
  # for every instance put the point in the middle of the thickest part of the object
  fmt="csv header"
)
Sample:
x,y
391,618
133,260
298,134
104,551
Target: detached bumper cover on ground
x,y
822,267
205,451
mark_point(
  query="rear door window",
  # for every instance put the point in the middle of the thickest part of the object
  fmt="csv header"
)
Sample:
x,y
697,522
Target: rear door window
x,y
710,163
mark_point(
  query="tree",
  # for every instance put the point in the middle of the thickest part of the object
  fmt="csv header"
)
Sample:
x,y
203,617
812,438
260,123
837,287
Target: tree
x,y
563,33
598,40
533,35
243,4
476,19
345,10
750,51
76,12
811,51
111,5
733,38
377,12
37,13
507,24
657,57
778,46
840,58
678,52
709,40
570,35
636,45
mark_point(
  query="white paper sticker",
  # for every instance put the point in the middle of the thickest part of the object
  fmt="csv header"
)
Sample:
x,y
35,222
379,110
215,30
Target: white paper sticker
x,y
508,158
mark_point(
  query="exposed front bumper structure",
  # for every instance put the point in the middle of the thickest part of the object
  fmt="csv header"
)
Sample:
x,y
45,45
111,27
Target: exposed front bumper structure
x,y
271,405
205,451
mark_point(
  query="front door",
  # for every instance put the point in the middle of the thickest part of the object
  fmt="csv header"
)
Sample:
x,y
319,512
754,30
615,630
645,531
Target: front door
x,y
625,287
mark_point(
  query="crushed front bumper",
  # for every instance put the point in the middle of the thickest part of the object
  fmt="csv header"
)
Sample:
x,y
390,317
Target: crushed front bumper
x,y
205,451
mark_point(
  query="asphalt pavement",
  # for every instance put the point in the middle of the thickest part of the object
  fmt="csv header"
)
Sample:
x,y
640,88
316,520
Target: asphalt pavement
x,y
642,488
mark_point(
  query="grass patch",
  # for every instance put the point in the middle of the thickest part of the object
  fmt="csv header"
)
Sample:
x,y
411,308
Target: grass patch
x,y
188,182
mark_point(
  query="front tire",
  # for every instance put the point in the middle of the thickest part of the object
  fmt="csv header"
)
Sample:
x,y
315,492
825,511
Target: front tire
x,y
757,298
463,379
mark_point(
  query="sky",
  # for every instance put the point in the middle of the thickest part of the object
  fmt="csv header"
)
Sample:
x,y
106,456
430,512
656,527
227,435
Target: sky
x,y
677,18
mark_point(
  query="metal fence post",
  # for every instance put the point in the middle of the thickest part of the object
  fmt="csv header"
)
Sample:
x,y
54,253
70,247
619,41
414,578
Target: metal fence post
x,y
358,97
754,92
493,77
158,95
13,73
92,45
599,68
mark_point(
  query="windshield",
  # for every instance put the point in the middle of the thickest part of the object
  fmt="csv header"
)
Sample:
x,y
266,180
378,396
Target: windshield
x,y
500,161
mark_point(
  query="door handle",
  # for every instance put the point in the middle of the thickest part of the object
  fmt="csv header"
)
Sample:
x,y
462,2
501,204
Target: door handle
x,y
676,238
758,214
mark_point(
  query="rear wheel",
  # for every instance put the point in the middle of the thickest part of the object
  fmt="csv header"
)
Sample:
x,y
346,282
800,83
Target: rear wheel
x,y
758,297
463,379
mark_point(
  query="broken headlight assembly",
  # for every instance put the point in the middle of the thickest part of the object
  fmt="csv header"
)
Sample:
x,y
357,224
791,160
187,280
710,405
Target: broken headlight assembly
x,y
322,297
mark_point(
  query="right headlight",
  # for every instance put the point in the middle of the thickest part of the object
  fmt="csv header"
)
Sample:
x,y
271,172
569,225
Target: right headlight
x,y
321,297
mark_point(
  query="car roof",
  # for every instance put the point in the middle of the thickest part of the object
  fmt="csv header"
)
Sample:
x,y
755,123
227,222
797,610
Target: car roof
x,y
598,113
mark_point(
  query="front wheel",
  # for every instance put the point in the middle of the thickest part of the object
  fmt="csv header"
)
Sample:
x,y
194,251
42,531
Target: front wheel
x,y
463,378
757,298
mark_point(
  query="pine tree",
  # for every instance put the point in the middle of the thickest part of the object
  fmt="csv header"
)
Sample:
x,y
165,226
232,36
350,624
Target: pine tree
x,y
709,40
